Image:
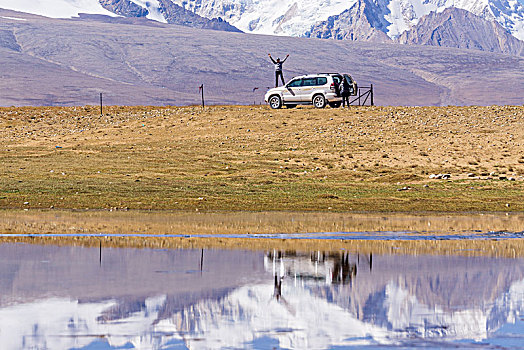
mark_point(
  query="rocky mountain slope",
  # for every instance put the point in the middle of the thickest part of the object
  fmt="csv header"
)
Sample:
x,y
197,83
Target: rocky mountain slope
x,y
453,27
68,62
459,28
124,8
360,20
164,11
393,17
167,12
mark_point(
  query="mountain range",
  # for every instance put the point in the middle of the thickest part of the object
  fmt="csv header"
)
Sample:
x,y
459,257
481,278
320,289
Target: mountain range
x,y
66,297
450,23
136,61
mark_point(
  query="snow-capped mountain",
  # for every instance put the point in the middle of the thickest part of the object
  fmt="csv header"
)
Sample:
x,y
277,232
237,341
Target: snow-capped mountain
x,y
55,62
300,320
165,11
63,298
283,17
459,28
297,17
361,20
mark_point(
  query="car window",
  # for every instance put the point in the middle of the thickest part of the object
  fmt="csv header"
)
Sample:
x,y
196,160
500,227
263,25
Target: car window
x,y
295,83
322,81
337,79
309,82
348,78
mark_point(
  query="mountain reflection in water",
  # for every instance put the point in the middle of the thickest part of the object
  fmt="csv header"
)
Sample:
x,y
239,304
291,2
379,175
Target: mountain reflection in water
x,y
73,298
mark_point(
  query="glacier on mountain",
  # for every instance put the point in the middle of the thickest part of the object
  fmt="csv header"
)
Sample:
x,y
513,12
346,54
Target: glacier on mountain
x,y
406,13
281,17
296,17
56,8
153,7
292,17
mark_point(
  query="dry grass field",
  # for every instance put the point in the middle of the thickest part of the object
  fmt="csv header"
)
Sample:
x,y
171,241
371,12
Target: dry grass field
x,y
71,222
234,230
251,158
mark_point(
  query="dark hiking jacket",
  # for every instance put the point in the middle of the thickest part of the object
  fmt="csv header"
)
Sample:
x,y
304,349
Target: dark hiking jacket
x,y
344,88
278,65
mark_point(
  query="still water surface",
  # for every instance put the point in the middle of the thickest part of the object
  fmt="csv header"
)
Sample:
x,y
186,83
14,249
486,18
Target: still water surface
x,y
83,298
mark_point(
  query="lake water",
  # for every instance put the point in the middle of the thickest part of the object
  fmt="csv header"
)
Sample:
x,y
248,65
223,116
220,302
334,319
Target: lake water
x,y
55,297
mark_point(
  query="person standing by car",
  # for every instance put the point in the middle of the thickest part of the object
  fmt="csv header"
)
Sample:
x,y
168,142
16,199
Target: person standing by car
x,y
278,69
345,92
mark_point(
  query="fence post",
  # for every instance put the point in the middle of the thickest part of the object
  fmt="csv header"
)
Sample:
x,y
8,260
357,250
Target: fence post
x,y
201,88
359,96
372,101
101,106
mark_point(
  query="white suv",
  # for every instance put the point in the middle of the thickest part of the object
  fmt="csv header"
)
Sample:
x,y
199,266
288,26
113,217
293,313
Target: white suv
x,y
316,89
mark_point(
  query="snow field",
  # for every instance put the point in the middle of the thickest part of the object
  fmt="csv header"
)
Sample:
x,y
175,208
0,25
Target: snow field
x,y
56,8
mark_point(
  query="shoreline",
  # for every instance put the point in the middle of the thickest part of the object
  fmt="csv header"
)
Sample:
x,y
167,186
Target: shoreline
x,y
512,248
408,233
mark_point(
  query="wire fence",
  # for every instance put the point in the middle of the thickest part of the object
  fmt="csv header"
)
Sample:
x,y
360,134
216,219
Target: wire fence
x,y
363,97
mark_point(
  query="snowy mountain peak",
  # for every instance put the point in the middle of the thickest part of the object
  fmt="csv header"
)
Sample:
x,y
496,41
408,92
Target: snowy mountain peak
x,y
297,17
462,29
367,20
404,14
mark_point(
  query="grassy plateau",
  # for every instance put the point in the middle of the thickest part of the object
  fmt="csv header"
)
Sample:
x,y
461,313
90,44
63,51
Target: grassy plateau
x,y
252,158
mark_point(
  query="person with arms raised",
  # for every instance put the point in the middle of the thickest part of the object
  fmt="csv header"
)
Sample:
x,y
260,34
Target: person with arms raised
x,y
278,69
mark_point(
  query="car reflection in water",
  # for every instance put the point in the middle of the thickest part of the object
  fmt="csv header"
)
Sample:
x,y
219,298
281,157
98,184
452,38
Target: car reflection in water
x,y
327,267
63,297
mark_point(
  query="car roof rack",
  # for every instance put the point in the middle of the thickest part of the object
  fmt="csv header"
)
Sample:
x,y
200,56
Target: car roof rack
x,y
330,73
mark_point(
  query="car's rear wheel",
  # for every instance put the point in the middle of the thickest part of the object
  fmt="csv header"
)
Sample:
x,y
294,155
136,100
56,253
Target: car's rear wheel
x,y
290,106
334,104
319,101
275,102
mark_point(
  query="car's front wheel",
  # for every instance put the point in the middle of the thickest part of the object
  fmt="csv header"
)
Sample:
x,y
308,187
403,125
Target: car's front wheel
x,y
275,102
319,101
